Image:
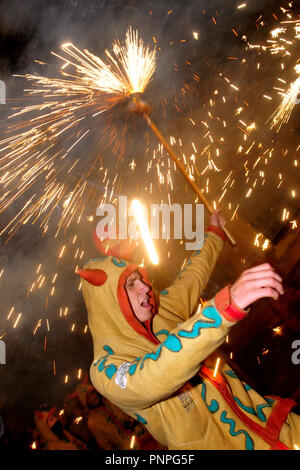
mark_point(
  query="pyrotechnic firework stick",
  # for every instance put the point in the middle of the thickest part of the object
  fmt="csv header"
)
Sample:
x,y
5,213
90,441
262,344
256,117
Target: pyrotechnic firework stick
x,y
174,157
142,108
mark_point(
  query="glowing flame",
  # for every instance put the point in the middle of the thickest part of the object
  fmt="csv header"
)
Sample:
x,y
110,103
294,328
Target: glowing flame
x,y
277,330
216,366
132,441
139,216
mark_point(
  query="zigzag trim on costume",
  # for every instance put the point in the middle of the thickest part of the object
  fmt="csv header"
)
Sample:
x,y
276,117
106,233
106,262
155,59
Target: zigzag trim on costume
x,y
172,343
110,369
214,405
258,411
248,440
211,313
269,433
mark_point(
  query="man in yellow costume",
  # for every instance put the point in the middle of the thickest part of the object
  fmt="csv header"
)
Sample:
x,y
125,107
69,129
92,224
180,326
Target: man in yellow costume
x,y
151,351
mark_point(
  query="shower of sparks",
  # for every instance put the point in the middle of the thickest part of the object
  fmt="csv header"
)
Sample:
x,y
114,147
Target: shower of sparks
x,y
128,69
283,43
138,63
70,109
283,112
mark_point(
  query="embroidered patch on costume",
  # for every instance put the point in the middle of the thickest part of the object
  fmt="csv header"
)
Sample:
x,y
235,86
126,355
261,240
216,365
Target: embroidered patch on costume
x,y
121,377
186,400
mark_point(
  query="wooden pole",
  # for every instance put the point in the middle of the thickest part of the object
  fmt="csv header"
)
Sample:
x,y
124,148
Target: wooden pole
x,y
184,172
136,105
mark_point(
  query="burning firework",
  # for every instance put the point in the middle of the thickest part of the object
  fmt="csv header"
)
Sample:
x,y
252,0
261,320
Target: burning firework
x,y
139,215
68,104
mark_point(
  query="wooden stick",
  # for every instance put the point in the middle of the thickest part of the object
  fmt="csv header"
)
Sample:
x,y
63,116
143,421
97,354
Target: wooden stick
x,y
184,172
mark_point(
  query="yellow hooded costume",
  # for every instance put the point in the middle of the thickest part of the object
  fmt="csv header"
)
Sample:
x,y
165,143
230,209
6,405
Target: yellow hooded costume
x,y
155,371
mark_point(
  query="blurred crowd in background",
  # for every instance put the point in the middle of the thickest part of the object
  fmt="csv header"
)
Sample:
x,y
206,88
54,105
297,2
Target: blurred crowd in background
x,y
88,421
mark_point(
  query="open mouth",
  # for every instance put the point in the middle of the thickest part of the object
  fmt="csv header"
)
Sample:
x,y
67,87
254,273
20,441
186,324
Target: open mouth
x,y
145,303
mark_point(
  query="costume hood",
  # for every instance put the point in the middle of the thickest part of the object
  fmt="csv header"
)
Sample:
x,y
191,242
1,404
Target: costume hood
x,y
110,316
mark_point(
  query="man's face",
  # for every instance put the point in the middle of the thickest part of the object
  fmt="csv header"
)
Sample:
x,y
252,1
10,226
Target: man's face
x,y
138,294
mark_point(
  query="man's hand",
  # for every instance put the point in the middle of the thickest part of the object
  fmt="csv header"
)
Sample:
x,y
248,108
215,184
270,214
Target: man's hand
x,y
217,219
256,283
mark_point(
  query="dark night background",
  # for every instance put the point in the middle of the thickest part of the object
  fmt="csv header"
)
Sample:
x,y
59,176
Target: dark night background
x,y
29,30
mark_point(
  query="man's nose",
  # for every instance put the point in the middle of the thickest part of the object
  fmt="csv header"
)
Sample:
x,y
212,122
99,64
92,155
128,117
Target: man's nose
x,y
142,287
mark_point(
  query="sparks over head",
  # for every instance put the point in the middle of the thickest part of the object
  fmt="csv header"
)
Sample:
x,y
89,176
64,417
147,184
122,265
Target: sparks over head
x,y
88,88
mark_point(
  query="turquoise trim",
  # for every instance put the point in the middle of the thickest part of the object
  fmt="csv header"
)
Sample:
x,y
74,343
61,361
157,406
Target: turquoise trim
x,y
259,413
214,405
162,332
172,343
164,292
247,387
109,369
118,262
133,367
231,373
208,312
102,258
196,253
140,419
199,246
249,409
153,356
248,440
181,272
